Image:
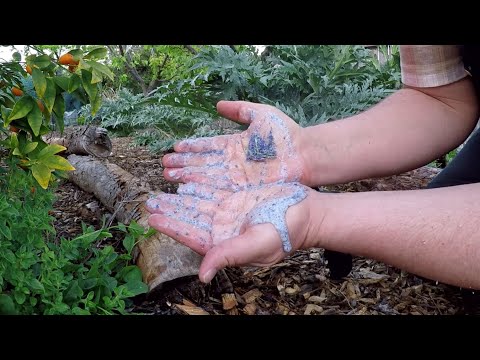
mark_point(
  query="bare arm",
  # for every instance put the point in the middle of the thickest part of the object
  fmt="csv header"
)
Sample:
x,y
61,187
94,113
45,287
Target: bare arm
x,y
410,128
434,233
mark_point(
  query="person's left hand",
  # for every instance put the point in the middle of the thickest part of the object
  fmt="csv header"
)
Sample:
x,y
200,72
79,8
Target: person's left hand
x,y
253,227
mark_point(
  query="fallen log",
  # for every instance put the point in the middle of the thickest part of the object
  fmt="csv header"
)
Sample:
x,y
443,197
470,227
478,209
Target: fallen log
x,y
159,257
83,140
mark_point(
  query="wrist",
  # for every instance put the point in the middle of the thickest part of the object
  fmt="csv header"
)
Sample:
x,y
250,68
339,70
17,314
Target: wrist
x,y
305,152
317,205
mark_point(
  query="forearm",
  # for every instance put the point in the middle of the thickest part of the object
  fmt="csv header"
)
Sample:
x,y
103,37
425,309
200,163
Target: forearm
x,y
434,233
405,131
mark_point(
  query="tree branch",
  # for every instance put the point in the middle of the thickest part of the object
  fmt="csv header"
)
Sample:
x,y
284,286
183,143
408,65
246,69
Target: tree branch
x,y
112,50
164,62
191,49
157,81
132,70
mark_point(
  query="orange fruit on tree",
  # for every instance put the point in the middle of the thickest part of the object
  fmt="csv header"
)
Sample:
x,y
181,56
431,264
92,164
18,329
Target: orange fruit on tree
x,y
67,59
29,69
16,91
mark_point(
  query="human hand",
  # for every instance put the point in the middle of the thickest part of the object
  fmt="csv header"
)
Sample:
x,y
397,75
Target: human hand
x,y
267,152
256,227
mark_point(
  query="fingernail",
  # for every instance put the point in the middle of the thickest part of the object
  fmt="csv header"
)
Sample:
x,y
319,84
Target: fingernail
x,y
173,174
152,203
209,276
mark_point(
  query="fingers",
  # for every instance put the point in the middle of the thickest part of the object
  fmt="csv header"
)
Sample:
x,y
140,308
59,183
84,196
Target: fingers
x,y
198,240
257,245
204,144
174,160
182,205
202,175
243,112
203,191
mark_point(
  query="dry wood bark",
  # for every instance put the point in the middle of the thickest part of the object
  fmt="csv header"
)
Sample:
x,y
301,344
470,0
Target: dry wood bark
x,y
83,140
159,257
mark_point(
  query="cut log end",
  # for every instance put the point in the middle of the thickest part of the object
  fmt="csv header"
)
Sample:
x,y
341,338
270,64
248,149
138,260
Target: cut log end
x,y
84,140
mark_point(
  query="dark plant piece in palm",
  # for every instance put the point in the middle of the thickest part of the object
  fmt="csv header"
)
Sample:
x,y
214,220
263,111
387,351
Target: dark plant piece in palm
x,y
260,149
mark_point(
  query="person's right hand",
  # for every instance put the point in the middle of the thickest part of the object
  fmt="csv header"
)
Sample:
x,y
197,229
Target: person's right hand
x,y
267,152
256,227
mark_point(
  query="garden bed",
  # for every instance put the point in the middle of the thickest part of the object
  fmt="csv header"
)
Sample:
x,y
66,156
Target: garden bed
x,y
297,285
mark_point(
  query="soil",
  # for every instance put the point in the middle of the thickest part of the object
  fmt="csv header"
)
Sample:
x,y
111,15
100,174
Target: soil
x,y
298,285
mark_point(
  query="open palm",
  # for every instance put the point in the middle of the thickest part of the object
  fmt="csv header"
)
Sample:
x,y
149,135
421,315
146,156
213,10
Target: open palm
x,y
252,226
265,153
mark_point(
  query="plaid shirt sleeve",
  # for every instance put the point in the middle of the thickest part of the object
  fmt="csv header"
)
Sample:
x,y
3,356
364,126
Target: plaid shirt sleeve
x,y
431,65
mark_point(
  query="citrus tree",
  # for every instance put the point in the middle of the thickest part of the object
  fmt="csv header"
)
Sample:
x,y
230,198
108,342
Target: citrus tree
x,y
28,116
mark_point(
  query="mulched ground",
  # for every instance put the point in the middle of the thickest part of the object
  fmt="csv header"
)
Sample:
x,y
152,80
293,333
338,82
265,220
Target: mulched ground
x,y
298,285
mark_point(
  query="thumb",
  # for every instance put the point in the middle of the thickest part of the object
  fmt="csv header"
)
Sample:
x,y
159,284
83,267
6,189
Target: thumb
x,y
242,112
254,246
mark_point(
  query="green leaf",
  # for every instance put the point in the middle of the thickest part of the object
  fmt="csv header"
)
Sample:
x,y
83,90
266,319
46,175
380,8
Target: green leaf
x,y
86,239
41,61
74,83
89,283
13,141
96,76
17,152
5,231
36,285
21,108
136,287
62,81
41,173
101,68
35,120
50,94
7,306
76,53
110,282
57,162
74,293
135,228
131,273
80,95
5,113
78,311
19,297
30,147
9,256
129,243
59,110
39,82
150,232
90,88
96,103
97,53
49,150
